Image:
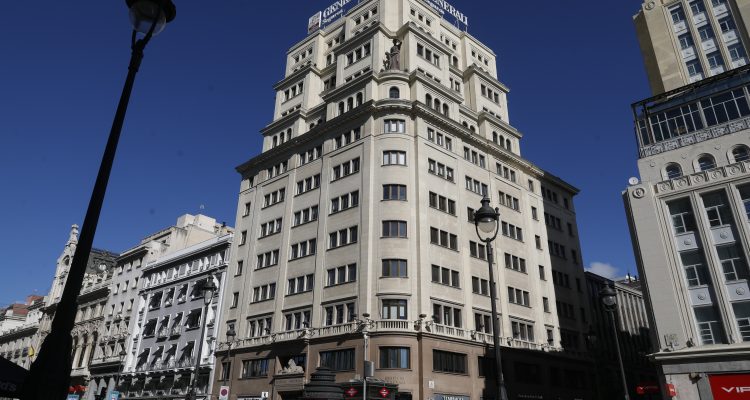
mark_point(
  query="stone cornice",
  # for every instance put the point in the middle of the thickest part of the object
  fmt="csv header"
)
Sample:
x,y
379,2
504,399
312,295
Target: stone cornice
x,y
296,76
417,75
473,70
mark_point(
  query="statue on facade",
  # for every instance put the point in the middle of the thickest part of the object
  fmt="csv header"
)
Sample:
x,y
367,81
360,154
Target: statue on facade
x,y
292,368
393,57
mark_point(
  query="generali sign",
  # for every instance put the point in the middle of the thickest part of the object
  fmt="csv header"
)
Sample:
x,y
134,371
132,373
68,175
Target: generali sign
x,y
730,387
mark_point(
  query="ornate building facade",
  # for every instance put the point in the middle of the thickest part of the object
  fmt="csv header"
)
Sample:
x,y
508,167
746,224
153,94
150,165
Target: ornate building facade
x,y
355,238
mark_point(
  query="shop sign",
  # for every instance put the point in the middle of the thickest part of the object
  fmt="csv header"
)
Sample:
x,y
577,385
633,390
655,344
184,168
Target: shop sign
x,y
730,386
439,396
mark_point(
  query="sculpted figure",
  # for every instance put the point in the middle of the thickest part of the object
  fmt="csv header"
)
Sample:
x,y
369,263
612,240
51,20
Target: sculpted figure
x,y
395,55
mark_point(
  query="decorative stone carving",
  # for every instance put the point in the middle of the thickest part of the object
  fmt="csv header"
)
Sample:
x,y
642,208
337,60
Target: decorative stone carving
x,y
393,57
291,368
639,193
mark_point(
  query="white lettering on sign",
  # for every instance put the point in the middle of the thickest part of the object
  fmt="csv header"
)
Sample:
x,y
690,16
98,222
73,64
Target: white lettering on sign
x,y
338,9
444,7
737,389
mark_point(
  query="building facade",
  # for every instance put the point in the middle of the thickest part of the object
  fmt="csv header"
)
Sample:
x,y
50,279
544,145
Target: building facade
x,y
355,238
19,324
92,301
632,324
118,331
684,41
689,225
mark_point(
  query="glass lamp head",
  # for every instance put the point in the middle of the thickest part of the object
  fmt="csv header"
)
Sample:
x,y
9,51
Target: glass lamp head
x,y
485,218
608,297
144,13
208,291
231,333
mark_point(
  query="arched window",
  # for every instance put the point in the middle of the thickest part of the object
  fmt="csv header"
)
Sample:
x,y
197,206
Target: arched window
x,y
428,100
349,103
360,99
455,61
394,93
706,162
341,108
507,144
473,128
465,124
436,106
445,109
741,153
673,171
289,134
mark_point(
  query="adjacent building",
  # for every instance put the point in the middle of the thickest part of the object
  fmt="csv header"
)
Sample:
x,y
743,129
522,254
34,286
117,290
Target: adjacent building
x,y
92,301
689,225
684,41
19,324
355,238
631,321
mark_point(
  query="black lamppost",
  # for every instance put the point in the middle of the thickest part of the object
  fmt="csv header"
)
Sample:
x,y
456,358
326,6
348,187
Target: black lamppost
x,y
609,300
49,375
231,334
486,224
209,288
123,353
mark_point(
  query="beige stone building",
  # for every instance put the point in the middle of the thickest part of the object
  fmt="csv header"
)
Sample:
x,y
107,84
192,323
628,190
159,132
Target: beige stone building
x,y
689,224
684,41
19,324
356,220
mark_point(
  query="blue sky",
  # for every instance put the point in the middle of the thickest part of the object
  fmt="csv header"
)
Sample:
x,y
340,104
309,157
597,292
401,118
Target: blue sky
x,y
205,91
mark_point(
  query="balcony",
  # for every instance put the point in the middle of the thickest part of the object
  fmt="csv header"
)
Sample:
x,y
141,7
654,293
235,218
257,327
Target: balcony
x,y
722,234
176,331
699,18
739,62
679,27
700,295
720,10
708,45
163,333
738,290
686,241
730,36
688,53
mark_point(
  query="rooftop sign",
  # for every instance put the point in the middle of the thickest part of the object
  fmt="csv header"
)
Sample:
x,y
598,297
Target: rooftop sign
x,y
330,14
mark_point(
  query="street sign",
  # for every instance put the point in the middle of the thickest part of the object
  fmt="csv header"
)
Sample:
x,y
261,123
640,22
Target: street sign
x,y
384,392
114,395
73,397
351,392
224,393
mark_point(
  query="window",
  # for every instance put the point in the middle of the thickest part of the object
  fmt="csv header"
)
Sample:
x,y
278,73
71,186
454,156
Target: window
x,y
682,216
740,153
515,263
717,209
509,201
277,169
270,228
345,202
477,250
302,249
446,315
709,325
394,93
440,170
268,259
522,331
394,268
725,107
243,238
556,249
534,213
745,195
480,286
732,263
695,269
476,186
442,203
337,314
193,319
310,155
538,241
254,368
394,192
512,231
474,157
440,139
394,229
482,323
506,173
308,184
445,276
247,209
470,214
545,304
393,157
342,237
341,275
257,327
274,197
697,7
304,216
350,167
736,52
358,54
444,361
235,299
297,320
394,126
393,309
394,357
715,60
300,284
338,360
542,274
443,239
673,171
347,138
264,292
518,296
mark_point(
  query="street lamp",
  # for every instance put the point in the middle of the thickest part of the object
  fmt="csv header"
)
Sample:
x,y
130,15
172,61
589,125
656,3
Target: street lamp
x,y
231,334
123,353
365,325
53,365
486,224
608,297
208,289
